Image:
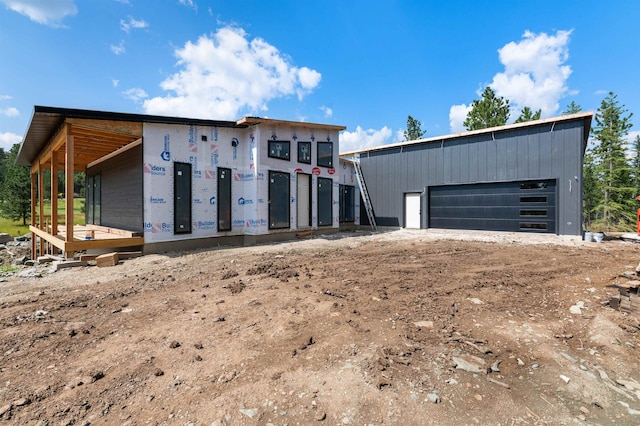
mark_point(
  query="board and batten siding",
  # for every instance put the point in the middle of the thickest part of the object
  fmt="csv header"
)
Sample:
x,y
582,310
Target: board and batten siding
x,y
545,151
121,194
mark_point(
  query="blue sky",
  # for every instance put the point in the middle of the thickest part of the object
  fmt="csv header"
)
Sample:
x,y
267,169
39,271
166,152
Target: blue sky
x,y
362,64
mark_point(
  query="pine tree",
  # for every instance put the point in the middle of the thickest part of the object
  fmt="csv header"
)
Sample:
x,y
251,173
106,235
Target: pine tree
x,y
15,193
490,111
616,205
591,191
528,115
635,165
414,130
572,108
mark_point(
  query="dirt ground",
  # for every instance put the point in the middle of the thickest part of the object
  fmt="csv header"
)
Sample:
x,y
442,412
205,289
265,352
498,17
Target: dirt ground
x,y
398,328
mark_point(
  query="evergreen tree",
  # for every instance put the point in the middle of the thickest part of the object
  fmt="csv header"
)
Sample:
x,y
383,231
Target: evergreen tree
x,y
15,193
414,129
572,108
528,115
3,159
635,165
490,111
591,191
616,204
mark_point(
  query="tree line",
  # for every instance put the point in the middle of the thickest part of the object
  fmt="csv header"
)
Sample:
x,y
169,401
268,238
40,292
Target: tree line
x,y
611,168
15,186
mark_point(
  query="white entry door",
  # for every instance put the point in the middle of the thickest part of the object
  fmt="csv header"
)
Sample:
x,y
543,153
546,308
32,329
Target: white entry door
x,y
412,210
304,200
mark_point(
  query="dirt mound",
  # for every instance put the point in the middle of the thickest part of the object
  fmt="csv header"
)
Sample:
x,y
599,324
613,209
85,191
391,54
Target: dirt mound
x,y
397,328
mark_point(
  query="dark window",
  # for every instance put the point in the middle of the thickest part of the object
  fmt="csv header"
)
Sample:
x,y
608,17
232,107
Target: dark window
x,y
224,199
182,198
92,211
279,149
279,200
533,185
537,213
347,201
325,202
541,199
533,226
304,152
325,154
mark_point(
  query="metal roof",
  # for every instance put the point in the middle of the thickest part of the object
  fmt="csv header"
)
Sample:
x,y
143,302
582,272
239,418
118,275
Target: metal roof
x,y
586,117
46,121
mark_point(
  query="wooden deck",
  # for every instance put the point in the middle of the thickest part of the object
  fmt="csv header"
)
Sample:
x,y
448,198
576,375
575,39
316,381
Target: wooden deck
x,y
88,237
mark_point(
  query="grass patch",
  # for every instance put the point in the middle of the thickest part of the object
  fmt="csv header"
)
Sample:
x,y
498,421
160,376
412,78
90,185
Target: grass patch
x,y
8,268
16,228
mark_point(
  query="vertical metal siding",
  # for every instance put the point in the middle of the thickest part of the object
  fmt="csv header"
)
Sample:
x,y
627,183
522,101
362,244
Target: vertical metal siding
x,y
535,152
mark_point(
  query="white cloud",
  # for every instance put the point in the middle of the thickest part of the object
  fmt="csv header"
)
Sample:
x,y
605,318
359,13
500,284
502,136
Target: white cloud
x,y
457,115
601,92
360,138
135,94
10,112
5,97
225,73
7,140
399,135
115,82
43,12
328,112
126,26
189,3
118,49
535,75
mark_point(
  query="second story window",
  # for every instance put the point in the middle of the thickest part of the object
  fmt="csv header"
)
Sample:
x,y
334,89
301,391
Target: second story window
x,y
279,149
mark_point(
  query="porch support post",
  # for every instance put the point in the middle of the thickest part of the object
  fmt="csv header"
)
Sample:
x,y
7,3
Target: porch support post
x,y
54,194
41,224
33,213
68,188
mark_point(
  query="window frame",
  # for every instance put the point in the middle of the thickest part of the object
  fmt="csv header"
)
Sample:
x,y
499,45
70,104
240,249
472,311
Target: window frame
x,y
308,144
320,158
279,157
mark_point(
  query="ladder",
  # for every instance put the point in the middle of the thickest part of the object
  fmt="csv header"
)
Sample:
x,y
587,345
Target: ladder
x,y
364,193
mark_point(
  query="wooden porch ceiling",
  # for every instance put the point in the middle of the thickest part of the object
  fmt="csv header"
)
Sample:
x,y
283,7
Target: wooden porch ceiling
x,y
90,143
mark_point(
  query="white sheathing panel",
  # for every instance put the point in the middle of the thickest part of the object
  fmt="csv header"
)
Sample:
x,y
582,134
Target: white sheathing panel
x,y
165,144
268,131
245,152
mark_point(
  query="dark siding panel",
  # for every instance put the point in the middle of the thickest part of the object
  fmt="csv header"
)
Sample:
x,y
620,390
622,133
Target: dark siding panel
x,y
541,152
122,190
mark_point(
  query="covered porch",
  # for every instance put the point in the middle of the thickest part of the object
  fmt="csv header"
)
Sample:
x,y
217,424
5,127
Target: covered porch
x,y
69,141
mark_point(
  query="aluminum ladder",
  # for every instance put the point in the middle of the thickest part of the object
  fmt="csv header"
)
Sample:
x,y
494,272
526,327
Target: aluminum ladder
x,y
365,194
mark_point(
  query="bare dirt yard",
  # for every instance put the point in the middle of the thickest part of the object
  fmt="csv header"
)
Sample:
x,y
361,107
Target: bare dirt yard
x,y
398,328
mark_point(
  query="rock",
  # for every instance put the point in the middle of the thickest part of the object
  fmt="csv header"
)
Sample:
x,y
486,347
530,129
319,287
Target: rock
x,y
424,324
475,300
2,247
30,262
321,416
568,357
21,402
584,410
5,238
471,364
433,398
520,362
29,273
565,378
175,344
25,237
249,412
577,308
218,423
5,409
20,260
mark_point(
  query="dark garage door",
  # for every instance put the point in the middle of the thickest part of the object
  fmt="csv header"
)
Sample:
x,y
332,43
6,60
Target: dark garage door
x,y
524,206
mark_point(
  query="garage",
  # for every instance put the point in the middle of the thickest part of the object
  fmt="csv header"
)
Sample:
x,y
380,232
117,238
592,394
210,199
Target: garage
x,y
521,177
523,206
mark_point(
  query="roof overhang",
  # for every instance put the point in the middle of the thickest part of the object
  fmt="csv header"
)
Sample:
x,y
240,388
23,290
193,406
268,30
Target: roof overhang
x,y
585,117
252,121
94,128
